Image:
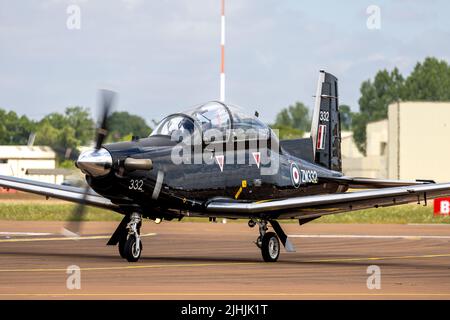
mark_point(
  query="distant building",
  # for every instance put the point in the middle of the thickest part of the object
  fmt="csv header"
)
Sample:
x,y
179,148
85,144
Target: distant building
x,y
31,162
374,165
420,134
348,146
413,143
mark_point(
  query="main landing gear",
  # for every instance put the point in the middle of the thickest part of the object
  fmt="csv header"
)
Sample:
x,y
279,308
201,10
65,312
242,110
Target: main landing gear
x,y
130,244
269,242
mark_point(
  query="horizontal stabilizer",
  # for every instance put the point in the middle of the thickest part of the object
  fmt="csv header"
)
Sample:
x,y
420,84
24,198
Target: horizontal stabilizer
x,y
369,183
300,148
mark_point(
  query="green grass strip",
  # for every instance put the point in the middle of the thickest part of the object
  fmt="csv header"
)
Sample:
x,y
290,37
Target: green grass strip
x,y
23,211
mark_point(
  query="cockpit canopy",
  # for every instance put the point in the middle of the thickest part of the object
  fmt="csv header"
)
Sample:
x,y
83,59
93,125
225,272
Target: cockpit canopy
x,y
212,118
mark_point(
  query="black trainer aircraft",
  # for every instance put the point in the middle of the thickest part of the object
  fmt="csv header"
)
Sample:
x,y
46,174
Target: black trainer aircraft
x,y
232,173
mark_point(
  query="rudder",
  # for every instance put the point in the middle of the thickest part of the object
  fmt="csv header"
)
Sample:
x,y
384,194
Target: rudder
x,y
326,127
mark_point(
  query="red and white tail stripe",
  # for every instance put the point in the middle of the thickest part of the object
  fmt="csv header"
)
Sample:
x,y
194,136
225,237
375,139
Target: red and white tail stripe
x,y
321,137
222,52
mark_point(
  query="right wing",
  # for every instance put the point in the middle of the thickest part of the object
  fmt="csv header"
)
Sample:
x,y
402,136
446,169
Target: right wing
x,y
72,194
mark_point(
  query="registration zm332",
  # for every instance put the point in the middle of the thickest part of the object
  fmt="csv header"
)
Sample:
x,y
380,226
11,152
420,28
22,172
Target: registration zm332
x,y
298,179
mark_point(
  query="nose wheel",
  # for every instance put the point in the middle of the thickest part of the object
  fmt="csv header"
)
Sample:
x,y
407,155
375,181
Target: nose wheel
x,y
132,248
130,244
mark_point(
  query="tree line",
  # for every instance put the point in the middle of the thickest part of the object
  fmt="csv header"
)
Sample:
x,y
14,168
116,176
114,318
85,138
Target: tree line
x,y
429,81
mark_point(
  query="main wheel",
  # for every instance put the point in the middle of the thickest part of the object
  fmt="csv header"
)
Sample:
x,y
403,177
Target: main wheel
x,y
270,247
131,251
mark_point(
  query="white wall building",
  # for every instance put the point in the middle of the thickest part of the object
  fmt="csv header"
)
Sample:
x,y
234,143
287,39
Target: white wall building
x,y
419,141
30,162
413,143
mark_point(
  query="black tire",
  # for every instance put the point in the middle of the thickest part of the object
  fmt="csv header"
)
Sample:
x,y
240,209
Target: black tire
x,y
270,247
129,250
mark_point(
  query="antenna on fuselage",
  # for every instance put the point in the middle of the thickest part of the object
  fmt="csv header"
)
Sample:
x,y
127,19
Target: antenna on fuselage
x,y
222,51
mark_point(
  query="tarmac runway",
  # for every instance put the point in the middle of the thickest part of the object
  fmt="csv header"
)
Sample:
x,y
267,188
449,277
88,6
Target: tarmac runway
x,y
183,260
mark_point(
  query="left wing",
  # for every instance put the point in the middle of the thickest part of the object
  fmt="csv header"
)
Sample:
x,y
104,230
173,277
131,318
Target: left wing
x,y
51,190
318,205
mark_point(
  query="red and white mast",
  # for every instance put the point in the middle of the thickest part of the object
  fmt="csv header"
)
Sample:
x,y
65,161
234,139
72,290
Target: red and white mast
x,y
222,52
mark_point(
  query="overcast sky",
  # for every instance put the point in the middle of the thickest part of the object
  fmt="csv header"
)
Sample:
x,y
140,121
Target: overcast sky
x,y
164,56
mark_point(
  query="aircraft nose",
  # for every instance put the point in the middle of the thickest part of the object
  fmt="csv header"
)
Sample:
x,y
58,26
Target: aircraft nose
x,y
95,162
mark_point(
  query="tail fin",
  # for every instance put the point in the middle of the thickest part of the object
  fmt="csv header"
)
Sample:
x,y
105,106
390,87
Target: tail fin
x,y
326,125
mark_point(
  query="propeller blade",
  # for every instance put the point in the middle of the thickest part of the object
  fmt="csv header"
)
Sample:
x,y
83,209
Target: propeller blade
x,y
73,227
107,100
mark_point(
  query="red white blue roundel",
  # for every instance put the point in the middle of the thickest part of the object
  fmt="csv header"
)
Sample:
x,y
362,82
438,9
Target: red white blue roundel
x,y
295,175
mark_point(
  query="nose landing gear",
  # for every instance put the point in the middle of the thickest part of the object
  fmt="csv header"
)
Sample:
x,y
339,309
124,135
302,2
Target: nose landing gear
x,y
130,244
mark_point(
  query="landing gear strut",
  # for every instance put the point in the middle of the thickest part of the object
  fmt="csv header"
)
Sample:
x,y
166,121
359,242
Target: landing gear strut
x,y
268,242
130,244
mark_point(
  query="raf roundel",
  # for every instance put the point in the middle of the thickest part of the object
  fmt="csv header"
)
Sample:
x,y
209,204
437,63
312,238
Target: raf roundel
x,y
295,175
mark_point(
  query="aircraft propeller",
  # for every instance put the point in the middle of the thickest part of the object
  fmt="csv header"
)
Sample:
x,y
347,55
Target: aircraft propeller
x,y
107,98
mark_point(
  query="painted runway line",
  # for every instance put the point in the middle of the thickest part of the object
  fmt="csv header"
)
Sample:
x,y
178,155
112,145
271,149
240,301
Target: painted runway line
x,y
6,233
133,267
429,224
366,236
215,264
256,294
67,238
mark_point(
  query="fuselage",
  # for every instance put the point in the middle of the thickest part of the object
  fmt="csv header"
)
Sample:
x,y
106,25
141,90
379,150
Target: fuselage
x,y
214,150
187,185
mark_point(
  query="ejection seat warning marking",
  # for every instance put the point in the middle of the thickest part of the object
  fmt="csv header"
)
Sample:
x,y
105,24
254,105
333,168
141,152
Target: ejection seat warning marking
x,y
220,160
257,157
